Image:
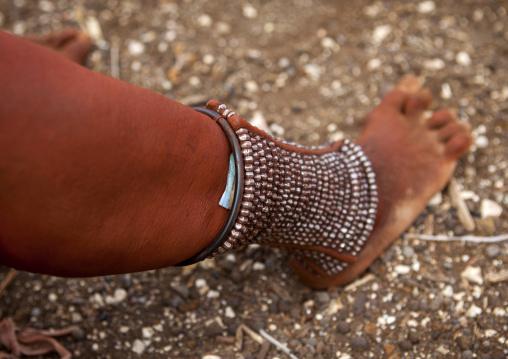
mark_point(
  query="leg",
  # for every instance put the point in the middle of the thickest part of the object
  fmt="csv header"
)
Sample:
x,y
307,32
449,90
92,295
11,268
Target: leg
x,y
98,176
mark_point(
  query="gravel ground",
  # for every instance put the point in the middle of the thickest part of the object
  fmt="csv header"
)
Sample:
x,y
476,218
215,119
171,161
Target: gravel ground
x,y
311,70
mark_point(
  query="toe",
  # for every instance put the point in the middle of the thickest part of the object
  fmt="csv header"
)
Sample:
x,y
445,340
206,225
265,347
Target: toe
x,y
409,84
395,98
449,130
441,118
417,103
458,144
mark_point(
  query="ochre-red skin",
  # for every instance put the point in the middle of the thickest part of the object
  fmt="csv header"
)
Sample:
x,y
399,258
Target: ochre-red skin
x,y
98,176
101,177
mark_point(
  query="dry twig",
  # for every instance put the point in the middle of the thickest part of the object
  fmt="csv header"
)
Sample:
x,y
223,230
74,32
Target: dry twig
x,y
359,282
278,344
7,280
472,239
496,277
255,336
460,205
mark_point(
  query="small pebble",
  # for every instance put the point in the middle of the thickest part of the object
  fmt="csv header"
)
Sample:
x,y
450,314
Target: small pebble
x,y
413,337
359,304
78,333
402,269
204,20
136,47
380,33
467,354
405,345
358,343
482,142
343,328
436,303
35,312
138,347
473,311
426,7
446,91
322,297
76,318
434,64
249,11
464,342
492,251
408,252
463,58
490,208
472,274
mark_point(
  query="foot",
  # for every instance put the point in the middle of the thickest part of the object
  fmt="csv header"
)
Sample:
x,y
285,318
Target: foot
x,y
70,43
413,158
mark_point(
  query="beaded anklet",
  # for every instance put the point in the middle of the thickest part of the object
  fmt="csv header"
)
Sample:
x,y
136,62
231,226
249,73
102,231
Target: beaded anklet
x,y
319,202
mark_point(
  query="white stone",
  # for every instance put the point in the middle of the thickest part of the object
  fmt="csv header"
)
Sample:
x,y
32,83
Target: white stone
x,y
52,297
208,59
200,283
213,294
329,43
473,311
46,6
313,71
269,27
490,333
251,86
277,130
402,269
373,64
258,266
229,312
249,11
436,200
204,20
499,312
490,208
136,47
463,58
97,299
138,347
426,7
448,291
118,296
446,91
434,64
380,33
472,274
124,329
210,356
147,332
259,121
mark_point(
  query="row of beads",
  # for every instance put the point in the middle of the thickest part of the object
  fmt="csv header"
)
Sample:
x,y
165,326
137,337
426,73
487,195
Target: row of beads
x,y
293,198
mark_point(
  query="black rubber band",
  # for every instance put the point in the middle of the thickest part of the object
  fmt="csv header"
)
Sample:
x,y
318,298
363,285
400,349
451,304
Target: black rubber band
x,y
235,209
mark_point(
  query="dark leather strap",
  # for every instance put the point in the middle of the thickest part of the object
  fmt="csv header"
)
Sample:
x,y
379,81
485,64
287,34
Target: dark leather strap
x,y
235,209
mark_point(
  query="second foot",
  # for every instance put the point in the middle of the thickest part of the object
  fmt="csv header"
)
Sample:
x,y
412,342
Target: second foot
x,y
70,43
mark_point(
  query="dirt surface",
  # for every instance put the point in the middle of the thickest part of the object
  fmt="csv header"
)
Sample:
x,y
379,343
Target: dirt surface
x,y
312,70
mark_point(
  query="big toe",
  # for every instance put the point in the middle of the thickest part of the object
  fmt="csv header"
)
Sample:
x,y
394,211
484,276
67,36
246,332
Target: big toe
x,y
417,103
